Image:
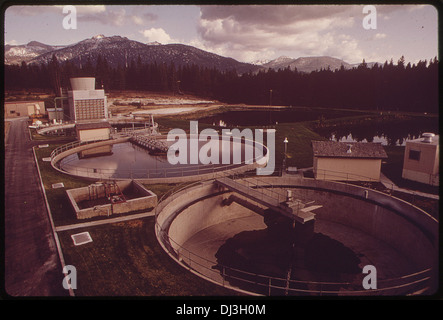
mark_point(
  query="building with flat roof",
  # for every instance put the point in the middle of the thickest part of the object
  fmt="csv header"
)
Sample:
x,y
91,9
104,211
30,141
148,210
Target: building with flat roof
x,y
421,160
15,109
85,102
92,131
352,161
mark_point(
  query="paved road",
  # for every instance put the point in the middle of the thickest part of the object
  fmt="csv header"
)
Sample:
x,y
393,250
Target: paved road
x,y
32,266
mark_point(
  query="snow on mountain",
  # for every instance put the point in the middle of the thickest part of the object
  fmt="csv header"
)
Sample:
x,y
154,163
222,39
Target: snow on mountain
x,y
121,51
307,64
260,62
15,54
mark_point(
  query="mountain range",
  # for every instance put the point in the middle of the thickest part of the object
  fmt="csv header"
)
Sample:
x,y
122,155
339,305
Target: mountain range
x,y
122,51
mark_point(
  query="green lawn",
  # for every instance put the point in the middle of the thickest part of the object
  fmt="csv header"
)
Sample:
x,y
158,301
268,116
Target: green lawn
x,y
125,259
61,209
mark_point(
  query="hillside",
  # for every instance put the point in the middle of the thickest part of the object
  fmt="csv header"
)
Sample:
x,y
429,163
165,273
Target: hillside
x,y
117,50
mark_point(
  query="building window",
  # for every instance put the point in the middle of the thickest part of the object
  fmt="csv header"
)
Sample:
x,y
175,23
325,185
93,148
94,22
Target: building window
x,y
414,155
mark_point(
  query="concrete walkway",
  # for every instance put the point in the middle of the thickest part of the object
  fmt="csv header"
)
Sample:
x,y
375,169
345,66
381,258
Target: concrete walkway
x,y
106,221
389,184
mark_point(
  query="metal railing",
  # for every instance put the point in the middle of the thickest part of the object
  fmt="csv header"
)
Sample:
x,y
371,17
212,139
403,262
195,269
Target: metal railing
x,y
75,144
261,284
250,180
355,179
150,173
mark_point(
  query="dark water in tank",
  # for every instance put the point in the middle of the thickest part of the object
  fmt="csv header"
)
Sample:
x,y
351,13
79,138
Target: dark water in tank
x,y
130,161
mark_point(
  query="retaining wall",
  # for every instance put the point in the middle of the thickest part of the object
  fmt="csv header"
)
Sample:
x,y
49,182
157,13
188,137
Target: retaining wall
x,y
146,201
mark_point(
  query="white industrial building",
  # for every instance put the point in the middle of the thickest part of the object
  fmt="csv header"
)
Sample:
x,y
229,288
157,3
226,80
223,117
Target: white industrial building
x,y
85,102
13,109
421,160
93,131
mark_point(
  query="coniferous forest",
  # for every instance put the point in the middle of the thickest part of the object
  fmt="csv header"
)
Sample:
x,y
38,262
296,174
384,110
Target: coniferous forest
x,y
397,87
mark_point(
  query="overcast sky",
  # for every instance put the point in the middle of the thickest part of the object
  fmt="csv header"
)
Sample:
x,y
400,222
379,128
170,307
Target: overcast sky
x,y
245,33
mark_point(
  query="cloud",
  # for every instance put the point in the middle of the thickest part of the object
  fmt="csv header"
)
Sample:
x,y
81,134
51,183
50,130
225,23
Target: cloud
x,y
157,34
107,15
243,31
380,36
12,42
41,9
118,16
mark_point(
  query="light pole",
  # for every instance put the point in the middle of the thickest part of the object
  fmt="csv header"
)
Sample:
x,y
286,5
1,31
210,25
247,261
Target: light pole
x,y
270,104
286,149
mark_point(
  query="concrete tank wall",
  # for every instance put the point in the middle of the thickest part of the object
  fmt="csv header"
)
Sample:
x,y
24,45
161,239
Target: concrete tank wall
x,y
410,230
374,220
204,214
146,201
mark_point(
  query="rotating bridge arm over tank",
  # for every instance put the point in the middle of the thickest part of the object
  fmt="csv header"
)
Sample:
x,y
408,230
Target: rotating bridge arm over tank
x,y
294,210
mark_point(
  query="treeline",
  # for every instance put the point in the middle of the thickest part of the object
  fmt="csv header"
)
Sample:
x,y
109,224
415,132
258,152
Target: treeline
x,y
382,87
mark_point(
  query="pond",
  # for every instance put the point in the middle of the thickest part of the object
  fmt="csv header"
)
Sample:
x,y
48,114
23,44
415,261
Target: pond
x,y
388,133
272,116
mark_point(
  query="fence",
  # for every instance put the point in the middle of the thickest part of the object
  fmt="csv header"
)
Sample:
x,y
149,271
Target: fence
x,y
260,284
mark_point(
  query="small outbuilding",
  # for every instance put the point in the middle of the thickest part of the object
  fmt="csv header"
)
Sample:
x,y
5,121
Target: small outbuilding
x,y
91,131
56,114
15,109
421,160
352,161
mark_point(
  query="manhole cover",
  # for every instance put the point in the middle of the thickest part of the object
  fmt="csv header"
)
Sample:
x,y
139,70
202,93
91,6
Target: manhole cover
x,y
58,185
81,238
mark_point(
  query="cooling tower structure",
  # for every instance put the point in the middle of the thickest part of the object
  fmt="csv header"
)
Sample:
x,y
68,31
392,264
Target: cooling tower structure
x,y
85,83
85,102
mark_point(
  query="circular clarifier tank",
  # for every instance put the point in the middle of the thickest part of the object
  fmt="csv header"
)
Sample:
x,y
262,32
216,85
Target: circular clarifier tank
x,y
232,241
128,160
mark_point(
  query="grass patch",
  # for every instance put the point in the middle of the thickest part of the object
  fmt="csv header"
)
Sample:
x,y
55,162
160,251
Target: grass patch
x,y
61,209
52,138
125,259
299,149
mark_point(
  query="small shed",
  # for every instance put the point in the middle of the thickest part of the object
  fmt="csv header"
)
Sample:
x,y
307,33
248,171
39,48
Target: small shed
x,y
55,114
90,131
352,161
421,159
